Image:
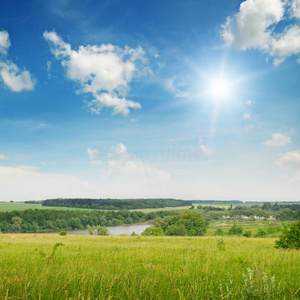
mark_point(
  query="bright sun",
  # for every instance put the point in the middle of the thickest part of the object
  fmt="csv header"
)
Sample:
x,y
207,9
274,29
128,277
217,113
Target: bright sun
x,y
219,88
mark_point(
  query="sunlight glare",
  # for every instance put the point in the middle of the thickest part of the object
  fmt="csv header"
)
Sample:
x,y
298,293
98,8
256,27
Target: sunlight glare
x,y
219,88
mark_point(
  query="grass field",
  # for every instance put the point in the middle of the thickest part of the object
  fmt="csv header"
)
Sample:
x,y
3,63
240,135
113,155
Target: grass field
x,y
10,206
93,267
247,224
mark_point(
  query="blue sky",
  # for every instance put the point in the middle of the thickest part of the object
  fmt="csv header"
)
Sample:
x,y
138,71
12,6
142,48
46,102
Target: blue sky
x,y
182,99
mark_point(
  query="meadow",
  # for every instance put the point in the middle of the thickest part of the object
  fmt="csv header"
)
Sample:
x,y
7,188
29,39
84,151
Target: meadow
x,y
95,267
11,206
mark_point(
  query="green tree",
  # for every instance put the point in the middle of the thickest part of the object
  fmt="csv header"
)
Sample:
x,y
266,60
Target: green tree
x,y
235,230
153,231
219,231
101,230
290,237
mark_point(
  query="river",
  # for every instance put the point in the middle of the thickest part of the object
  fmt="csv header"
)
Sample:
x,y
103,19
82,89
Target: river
x,y
116,230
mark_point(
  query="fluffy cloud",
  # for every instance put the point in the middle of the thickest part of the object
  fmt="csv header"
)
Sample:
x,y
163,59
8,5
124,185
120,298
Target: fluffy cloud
x,y
170,86
4,41
15,79
103,71
295,5
203,148
255,27
125,167
247,116
278,139
290,160
26,183
4,157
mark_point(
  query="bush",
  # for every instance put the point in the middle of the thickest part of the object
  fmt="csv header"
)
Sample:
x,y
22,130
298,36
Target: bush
x,y
219,231
290,237
63,233
247,233
235,230
260,233
156,231
102,230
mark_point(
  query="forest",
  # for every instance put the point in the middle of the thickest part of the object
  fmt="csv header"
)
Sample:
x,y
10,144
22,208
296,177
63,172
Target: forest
x,y
115,204
39,220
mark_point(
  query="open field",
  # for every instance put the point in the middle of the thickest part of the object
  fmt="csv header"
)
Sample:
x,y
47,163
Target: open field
x,y
246,224
10,206
93,267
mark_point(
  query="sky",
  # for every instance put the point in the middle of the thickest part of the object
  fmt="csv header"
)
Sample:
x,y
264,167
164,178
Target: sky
x,y
150,99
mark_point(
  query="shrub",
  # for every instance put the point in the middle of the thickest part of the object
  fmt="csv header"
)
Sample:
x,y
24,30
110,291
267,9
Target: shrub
x,y
290,237
219,231
247,233
235,230
63,233
260,233
156,231
220,243
102,230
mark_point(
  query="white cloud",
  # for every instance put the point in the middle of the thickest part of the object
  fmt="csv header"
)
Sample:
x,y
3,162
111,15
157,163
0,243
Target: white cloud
x,y
290,160
295,5
26,183
249,102
124,167
4,42
247,117
4,157
95,156
15,79
278,139
249,127
203,148
104,71
255,27
170,86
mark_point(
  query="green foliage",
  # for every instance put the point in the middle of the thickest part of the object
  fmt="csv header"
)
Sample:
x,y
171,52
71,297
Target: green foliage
x,y
63,232
52,255
101,230
188,223
134,234
219,231
260,233
220,243
97,230
274,229
38,220
252,291
247,233
290,237
235,230
146,268
116,204
153,231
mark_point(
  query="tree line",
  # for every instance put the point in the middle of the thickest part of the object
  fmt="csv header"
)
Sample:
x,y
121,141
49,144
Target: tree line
x,y
39,220
115,204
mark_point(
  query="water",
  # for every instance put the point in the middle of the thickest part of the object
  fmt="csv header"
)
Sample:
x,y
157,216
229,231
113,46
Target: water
x,y
117,230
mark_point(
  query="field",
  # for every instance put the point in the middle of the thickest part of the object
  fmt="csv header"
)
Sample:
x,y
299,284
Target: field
x,y
93,267
10,206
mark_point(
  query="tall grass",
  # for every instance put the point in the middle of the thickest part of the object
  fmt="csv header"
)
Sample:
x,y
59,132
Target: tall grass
x,y
93,267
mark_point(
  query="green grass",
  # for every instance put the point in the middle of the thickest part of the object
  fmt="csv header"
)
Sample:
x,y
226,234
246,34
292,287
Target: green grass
x,y
247,224
10,206
93,267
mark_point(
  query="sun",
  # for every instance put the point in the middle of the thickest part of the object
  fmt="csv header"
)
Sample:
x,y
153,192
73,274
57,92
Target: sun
x,y
219,88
